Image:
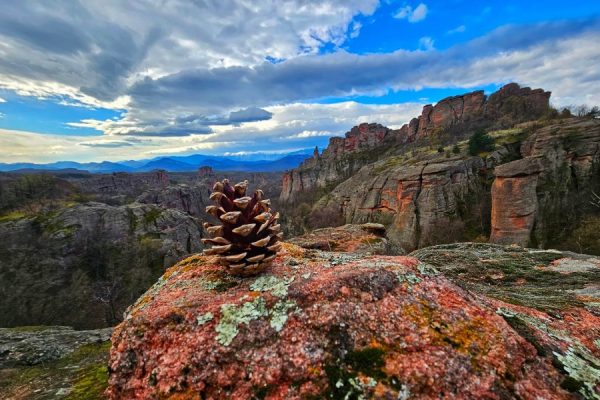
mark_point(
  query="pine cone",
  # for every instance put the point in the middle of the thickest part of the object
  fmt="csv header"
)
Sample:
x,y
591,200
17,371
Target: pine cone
x,y
248,240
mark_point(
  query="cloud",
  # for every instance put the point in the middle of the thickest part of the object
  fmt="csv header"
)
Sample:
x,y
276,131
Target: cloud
x,y
309,134
343,74
458,29
184,76
107,144
96,49
2,100
258,136
419,13
426,43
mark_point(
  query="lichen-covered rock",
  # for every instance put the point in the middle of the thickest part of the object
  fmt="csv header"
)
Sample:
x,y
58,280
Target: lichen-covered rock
x,y
365,238
333,325
551,298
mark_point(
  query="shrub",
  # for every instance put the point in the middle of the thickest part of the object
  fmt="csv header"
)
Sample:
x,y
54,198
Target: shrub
x,y
456,149
480,142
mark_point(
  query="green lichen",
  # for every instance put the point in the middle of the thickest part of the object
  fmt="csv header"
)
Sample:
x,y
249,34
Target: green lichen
x,y
232,316
279,313
269,283
204,318
411,279
426,269
597,343
583,369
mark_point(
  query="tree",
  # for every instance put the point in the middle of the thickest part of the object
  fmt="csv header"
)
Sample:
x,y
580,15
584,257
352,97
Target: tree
x,y
480,142
456,149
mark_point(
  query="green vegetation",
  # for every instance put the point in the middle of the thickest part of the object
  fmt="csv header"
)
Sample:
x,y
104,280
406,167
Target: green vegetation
x,y
12,216
151,216
480,142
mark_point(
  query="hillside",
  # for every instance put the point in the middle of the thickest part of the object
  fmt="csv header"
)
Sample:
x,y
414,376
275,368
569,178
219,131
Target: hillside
x,y
78,248
534,188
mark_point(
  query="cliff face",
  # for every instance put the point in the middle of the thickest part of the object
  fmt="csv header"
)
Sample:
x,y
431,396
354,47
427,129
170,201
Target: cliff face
x,y
422,203
536,198
344,156
345,325
533,189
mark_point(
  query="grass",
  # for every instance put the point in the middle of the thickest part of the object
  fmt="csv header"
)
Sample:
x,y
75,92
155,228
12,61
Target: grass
x,y
13,216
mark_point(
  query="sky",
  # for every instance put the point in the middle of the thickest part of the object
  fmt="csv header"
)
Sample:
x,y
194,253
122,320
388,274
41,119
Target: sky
x,y
111,80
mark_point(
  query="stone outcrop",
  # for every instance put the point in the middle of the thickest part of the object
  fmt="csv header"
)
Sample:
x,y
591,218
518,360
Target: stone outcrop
x,y
345,325
421,203
81,265
451,116
536,199
29,346
514,201
53,362
337,161
365,238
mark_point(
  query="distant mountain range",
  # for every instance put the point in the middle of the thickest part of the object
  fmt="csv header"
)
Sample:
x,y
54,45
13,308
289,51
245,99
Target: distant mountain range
x,y
258,162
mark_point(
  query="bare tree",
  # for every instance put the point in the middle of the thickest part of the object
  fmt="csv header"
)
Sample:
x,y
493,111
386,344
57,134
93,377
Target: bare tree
x,y
595,200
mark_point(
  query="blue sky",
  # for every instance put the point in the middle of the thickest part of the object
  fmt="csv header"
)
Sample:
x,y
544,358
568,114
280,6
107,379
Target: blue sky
x,y
112,80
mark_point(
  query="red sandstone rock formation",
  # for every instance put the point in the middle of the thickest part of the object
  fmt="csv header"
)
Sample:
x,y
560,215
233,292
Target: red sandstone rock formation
x,y
514,201
508,105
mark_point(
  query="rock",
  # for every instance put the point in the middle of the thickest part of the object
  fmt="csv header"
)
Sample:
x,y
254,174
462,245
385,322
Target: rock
x,y
514,201
26,346
451,116
420,203
336,162
322,325
551,298
539,199
50,362
366,238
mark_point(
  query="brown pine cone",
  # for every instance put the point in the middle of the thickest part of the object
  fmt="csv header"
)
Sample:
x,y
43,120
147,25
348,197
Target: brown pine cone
x,y
247,241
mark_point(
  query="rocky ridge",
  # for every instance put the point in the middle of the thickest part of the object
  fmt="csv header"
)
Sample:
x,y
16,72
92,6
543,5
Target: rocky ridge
x,y
534,189
344,156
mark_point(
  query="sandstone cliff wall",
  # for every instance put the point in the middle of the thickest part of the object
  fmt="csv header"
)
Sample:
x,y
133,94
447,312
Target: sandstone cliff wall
x,y
365,143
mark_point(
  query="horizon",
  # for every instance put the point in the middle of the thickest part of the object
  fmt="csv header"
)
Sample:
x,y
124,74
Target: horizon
x,y
114,82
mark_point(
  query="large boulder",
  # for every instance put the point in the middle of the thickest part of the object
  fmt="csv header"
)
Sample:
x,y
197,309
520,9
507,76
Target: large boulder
x,y
343,325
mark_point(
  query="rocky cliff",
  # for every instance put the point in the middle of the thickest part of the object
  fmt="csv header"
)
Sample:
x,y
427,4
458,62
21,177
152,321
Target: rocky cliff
x,y
538,198
346,325
451,116
533,189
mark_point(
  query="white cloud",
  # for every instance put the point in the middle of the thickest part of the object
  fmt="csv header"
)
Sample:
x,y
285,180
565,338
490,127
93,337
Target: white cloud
x,y
308,134
458,29
288,120
426,43
417,14
2,100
